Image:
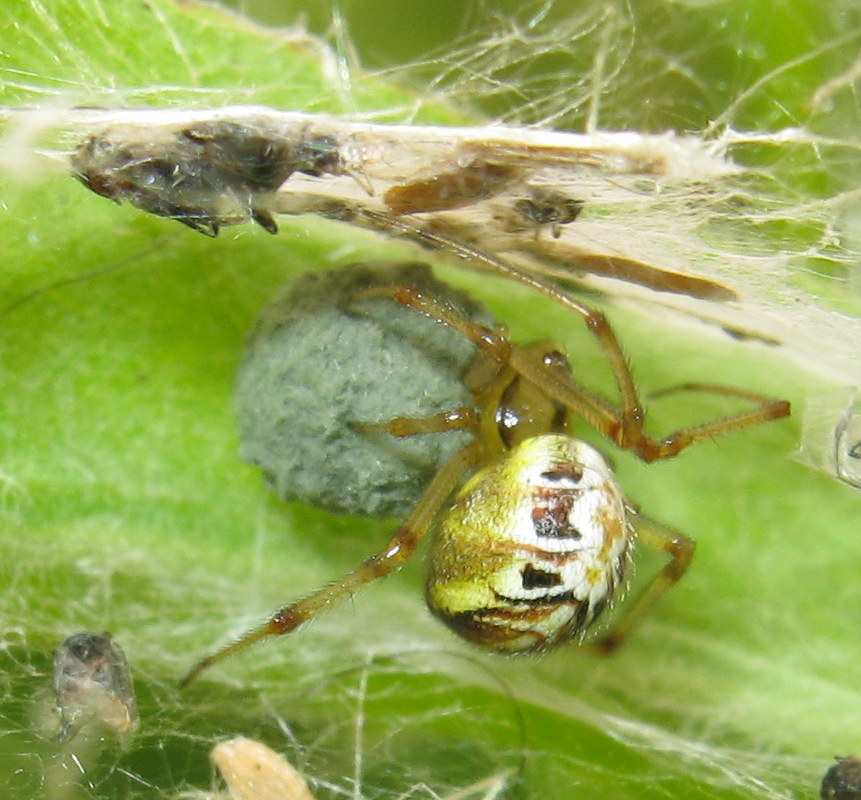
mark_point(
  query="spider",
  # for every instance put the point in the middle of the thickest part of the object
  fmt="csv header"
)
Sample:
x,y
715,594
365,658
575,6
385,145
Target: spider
x,y
532,533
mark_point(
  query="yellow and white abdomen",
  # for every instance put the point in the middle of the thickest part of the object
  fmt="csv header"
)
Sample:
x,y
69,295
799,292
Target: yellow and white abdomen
x,y
532,549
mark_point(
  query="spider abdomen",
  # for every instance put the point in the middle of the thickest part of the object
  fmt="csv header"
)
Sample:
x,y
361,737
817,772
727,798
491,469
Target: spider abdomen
x,y
532,549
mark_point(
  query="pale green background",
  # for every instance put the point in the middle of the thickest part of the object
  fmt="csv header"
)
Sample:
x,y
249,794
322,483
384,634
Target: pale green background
x,y
125,507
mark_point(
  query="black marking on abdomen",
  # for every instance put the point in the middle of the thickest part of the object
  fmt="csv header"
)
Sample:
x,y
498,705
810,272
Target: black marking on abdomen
x,y
531,577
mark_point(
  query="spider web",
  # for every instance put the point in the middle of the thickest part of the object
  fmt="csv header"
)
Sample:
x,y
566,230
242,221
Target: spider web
x,y
84,523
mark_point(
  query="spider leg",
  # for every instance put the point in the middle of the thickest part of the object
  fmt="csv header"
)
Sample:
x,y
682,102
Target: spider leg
x,y
680,550
399,548
767,408
461,418
715,388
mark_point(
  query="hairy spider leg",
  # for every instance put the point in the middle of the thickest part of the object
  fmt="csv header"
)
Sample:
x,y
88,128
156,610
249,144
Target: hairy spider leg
x,y
399,548
767,408
680,550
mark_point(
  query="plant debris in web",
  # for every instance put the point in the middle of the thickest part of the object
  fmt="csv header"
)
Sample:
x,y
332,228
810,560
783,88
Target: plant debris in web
x,y
531,197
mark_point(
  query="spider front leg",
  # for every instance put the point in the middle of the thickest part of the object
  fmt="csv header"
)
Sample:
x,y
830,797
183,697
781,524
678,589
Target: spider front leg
x,y
679,548
399,548
767,408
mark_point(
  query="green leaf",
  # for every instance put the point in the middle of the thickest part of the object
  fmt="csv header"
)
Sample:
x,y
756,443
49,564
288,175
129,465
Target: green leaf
x,y
124,507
